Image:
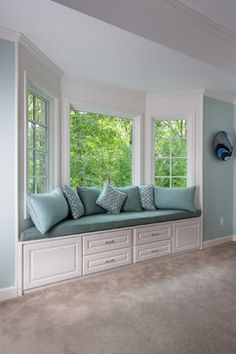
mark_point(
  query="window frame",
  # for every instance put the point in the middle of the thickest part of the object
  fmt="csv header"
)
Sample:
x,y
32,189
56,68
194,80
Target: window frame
x,y
47,152
30,84
106,110
190,144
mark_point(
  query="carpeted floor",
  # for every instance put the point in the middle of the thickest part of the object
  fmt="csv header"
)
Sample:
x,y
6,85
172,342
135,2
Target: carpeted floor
x,y
180,305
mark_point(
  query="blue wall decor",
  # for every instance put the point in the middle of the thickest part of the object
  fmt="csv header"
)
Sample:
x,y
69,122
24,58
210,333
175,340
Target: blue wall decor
x,y
223,146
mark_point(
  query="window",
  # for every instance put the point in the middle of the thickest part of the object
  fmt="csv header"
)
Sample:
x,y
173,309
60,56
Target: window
x,y
170,151
100,149
37,143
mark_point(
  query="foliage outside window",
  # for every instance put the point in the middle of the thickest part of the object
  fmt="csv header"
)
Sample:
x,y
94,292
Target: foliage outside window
x,y
37,144
170,149
100,149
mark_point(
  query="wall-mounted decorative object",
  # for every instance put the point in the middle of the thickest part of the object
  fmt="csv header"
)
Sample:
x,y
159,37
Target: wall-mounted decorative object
x,y
223,146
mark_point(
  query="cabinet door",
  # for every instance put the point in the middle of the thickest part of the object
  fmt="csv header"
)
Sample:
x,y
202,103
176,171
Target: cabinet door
x,y
50,262
187,235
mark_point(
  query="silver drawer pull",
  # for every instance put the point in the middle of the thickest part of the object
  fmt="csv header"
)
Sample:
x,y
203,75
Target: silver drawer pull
x,y
112,241
156,234
155,251
109,260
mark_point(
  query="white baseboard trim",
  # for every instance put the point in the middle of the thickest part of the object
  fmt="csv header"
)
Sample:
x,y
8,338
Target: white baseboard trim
x,y
218,241
234,238
8,293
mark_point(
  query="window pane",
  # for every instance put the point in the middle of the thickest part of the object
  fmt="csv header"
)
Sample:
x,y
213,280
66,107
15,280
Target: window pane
x,y
31,135
41,185
179,167
30,106
31,171
37,149
31,185
162,129
162,182
179,148
162,167
162,148
179,182
40,114
100,149
41,164
179,129
40,138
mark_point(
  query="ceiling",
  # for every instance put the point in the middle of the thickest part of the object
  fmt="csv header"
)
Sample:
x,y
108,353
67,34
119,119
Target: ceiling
x,y
220,11
85,47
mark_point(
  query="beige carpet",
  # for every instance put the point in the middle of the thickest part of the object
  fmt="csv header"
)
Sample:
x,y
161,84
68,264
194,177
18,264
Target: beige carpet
x,y
180,305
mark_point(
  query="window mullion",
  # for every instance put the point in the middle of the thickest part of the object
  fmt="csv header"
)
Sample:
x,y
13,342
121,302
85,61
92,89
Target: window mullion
x,y
34,143
170,154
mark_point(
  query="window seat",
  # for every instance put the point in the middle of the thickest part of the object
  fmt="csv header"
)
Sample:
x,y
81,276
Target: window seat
x,y
101,222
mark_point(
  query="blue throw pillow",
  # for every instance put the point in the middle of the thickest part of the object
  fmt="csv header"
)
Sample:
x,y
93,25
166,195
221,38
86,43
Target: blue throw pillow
x,y
48,209
75,205
132,202
147,197
175,198
88,196
111,199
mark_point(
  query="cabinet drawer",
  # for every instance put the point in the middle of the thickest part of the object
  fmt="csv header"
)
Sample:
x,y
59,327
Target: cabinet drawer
x,y
187,235
152,250
106,241
107,260
152,234
50,262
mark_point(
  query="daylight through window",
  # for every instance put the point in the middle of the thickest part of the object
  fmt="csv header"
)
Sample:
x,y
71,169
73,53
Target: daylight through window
x,y
37,144
170,151
100,149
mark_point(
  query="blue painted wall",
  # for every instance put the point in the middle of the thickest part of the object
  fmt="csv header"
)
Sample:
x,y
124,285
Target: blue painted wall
x,y
218,176
8,173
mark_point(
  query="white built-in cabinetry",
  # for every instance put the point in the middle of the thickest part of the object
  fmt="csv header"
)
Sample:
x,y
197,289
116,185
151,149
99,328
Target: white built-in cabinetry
x,y
50,261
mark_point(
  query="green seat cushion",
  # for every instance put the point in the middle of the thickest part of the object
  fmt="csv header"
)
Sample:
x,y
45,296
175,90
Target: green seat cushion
x,y
132,202
175,198
88,196
108,221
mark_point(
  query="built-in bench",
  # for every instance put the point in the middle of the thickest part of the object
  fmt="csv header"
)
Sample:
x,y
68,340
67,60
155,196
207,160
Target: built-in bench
x,y
96,243
101,222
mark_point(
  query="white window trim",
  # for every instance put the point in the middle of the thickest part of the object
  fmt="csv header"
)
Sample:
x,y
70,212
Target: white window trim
x,y
190,144
53,171
106,110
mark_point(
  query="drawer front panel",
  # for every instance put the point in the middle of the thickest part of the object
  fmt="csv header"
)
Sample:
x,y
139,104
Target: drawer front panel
x,y
152,250
106,241
48,263
107,260
152,234
187,235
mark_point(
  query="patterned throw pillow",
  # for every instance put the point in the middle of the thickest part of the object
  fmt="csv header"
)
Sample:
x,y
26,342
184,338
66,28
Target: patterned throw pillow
x,y
111,199
74,202
147,197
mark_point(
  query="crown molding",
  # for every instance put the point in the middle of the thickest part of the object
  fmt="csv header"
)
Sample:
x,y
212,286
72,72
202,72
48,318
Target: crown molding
x,y
28,45
22,40
197,92
199,20
220,96
9,35
95,84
